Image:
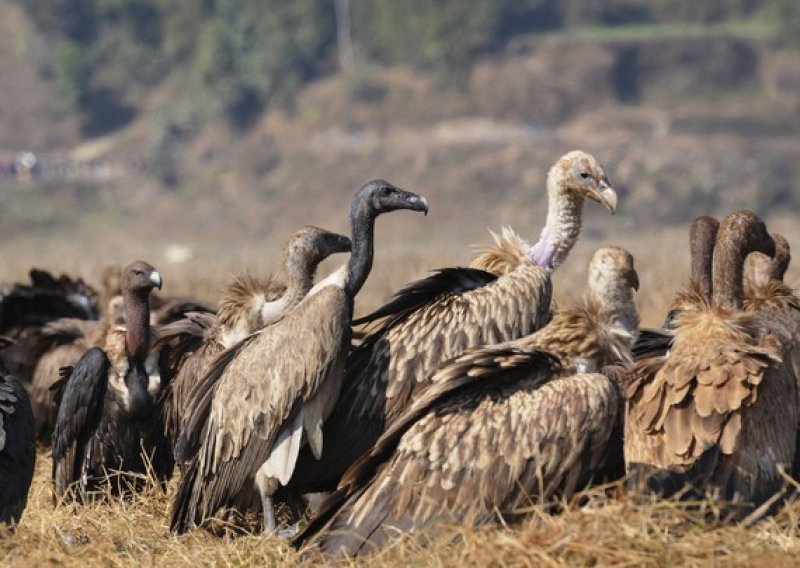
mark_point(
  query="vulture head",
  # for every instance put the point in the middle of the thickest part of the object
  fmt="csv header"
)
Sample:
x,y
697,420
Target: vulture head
x,y
379,196
578,175
311,245
740,234
760,269
139,278
612,281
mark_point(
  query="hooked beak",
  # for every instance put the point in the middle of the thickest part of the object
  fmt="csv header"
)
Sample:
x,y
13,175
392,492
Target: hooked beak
x,y
155,279
606,196
343,244
416,202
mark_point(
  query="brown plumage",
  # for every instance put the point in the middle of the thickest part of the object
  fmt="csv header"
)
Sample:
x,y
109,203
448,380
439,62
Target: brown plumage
x,y
500,427
247,305
505,295
273,391
720,413
62,342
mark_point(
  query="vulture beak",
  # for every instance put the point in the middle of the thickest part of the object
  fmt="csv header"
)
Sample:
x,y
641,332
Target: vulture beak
x,y
416,202
155,279
606,196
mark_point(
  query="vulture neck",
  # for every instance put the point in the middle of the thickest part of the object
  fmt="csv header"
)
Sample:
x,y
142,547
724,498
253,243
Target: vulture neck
x,y
728,289
614,303
563,225
299,278
702,236
363,233
137,324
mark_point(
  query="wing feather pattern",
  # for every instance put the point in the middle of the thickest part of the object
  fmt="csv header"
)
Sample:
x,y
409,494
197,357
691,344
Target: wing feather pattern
x,y
395,362
497,432
78,416
261,392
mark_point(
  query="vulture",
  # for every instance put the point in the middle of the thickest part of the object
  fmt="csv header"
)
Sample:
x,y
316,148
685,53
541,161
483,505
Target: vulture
x,y
504,295
765,291
17,445
718,415
500,427
108,427
653,344
269,395
25,308
246,306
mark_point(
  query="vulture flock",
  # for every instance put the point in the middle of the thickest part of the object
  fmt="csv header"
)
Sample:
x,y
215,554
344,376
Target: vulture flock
x,y
468,396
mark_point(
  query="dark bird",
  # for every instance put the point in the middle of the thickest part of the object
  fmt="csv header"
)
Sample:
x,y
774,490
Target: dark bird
x,y
274,390
247,305
17,445
505,295
500,427
25,308
719,414
108,426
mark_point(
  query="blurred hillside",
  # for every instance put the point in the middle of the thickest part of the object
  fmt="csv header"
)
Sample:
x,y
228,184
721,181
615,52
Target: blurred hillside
x,y
217,121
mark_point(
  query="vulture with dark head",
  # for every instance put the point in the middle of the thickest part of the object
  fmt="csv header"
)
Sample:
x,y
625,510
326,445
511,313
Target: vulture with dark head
x,y
505,295
273,391
718,415
500,427
109,423
17,445
247,305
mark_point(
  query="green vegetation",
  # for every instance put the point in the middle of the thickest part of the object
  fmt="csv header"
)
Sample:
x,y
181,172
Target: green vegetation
x,y
239,56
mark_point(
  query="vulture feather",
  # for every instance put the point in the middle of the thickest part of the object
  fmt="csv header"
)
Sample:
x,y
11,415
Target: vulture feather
x,y
17,445
108,427
247,305
504,295
273,391
720,412
500,427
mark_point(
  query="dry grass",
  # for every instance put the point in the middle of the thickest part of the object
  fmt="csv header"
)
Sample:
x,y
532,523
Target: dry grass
x,y
609,530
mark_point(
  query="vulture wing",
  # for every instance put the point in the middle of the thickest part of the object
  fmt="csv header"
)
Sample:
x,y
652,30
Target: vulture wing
x,y
397,360
277,390
79,413
417,294
506,434
17,448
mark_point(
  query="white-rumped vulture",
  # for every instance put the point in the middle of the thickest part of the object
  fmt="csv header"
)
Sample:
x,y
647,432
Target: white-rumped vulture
x,y
17,445
109,423
719,415
500,427
248,304
504,295
274,390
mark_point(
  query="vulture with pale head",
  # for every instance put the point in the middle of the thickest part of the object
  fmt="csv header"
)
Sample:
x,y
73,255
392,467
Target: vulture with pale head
x,y
273,391
504,295
500,427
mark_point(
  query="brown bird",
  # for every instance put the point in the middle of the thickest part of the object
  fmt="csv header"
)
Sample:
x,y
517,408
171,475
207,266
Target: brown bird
x,y
17,445
274,390
501,426
109,416
765,291
505,295
653,344
720,414
247,305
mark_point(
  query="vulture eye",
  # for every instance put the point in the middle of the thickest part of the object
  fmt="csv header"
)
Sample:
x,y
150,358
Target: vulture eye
x,y
585,175
138,272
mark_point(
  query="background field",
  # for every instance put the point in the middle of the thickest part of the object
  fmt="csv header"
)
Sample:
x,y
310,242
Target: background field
x,y
198,134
